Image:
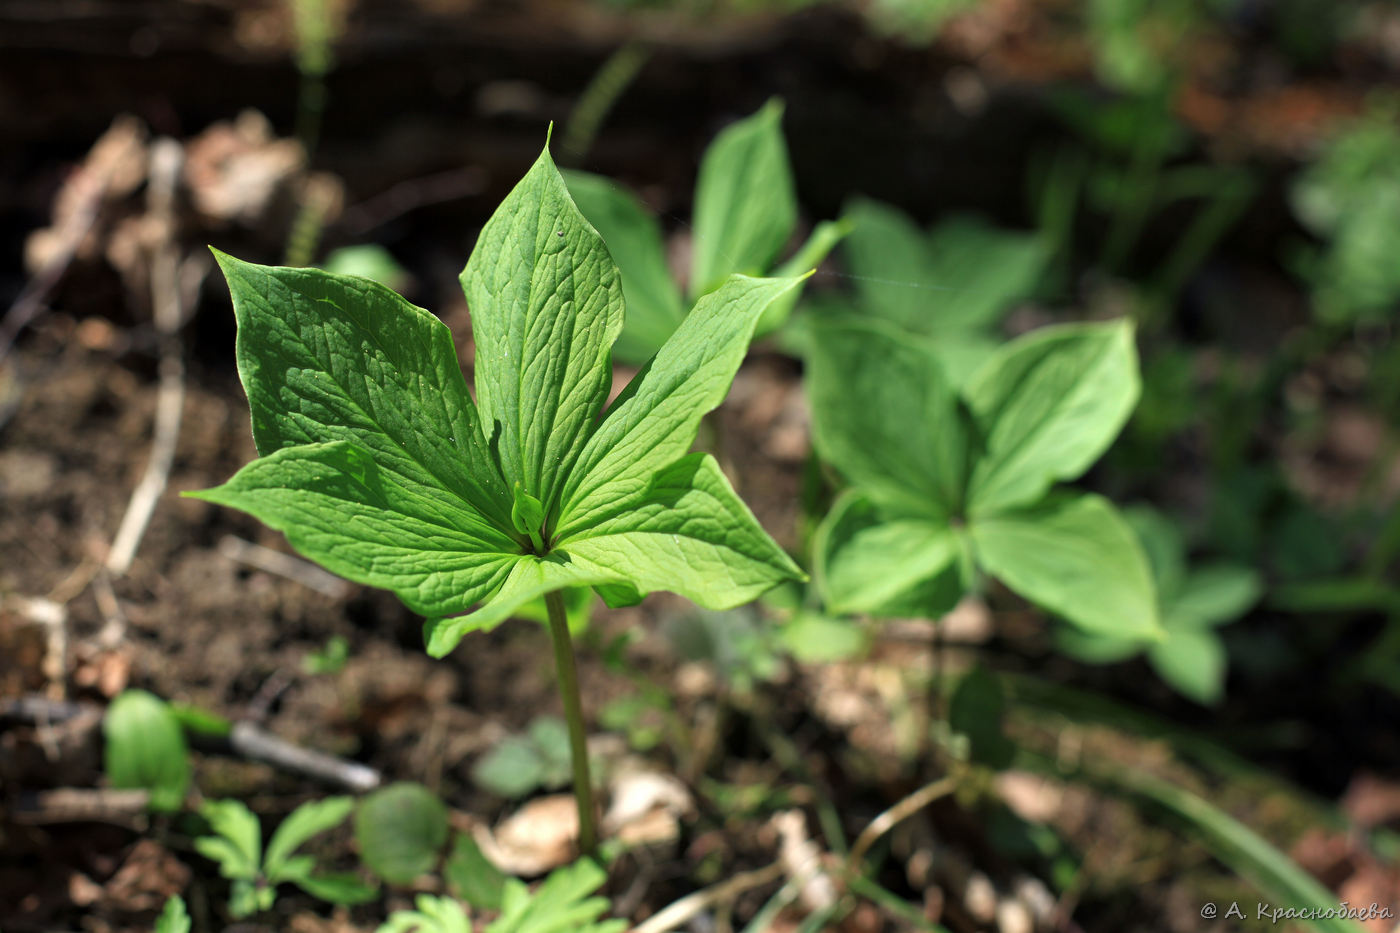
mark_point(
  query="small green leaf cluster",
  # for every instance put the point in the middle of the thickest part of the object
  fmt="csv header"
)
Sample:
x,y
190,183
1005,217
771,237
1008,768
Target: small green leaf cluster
x,y
520,764
1193,602
236,846
330,659
560,905
377,463
745,212
1351,199
174,918
968,270
946,481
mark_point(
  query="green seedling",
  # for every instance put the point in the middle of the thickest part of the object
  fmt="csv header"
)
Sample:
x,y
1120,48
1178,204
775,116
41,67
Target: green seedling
x,y
401,830
1193,602
145,749
944,482
236,847
953,282
376,462
472,875
330,659
561,903
745,212
1350,198
521,764
174,918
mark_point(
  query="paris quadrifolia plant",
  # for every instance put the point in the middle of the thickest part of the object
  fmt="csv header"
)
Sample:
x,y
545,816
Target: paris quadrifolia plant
x,y
375,462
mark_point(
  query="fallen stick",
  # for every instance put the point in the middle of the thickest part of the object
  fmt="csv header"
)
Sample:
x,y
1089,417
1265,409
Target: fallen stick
x,y
252,741
244,738
690,906
893,817
166,160
83,805
284,565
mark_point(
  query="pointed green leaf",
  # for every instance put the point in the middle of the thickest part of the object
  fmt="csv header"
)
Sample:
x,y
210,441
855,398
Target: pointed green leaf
x,y
328,357
238,846
963,276
985,270
339,507
889,262
687,532
745,206
883,564
473,876
1164,546
1193,662
1212,596
883,415
309,819
1093,647
809,255
1048,404
1075,556
337,888
174,918
654,421
654,304
527,578
546,305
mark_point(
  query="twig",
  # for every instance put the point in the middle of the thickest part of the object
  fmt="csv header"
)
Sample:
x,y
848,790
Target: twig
x,y
893,817
166,160
253,741
113,630
30,302
83,805
284,565
681,911
260,706
410,195
244,738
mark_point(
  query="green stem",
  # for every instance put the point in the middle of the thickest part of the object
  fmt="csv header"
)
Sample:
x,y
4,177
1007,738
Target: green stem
x,y
573,713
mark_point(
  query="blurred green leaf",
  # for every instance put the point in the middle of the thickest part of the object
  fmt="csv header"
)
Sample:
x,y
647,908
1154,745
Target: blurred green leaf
x,y
745,205
1048,405
309,819
473,876
145,749
401,830
174,918
1075,556
633,237
368,261
976,710
1193,661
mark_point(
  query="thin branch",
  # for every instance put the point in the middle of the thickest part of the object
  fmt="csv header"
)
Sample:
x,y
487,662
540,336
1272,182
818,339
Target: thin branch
x,y
894,816
284,565
166,160
692,905
252,741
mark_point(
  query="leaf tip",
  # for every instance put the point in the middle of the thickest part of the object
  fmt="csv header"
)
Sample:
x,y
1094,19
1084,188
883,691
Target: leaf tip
x,y
438,638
